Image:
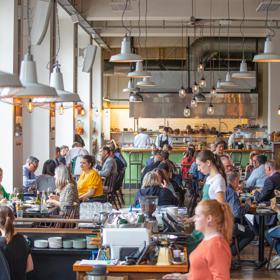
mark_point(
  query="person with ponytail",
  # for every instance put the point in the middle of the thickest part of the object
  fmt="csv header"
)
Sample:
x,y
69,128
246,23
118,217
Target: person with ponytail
x,y
14,246
215,185
212,257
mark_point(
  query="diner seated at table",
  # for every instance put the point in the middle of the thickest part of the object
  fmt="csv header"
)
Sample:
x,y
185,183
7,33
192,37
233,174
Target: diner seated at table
x,y
212,257
4,196
242,231
275,231
251,165
28,173
220,146
150,160
14,246
90,185
271,183
59,159
154,164
46,181
66,188
258,175
152,185
109,165
227,163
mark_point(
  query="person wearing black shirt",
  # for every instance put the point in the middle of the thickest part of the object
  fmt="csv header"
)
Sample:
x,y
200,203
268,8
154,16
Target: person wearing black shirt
x,y
14,246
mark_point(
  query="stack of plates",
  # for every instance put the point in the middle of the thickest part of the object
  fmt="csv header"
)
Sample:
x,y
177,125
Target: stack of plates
x,y
41,243
79,243
55,242
67,244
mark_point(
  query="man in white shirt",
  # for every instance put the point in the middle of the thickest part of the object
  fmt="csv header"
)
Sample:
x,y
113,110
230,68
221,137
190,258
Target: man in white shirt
x,y
142,140
164,138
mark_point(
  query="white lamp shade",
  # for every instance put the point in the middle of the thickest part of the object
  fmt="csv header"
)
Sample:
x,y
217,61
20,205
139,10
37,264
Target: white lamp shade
x,y
243,72
56,79
129,88
63,97
36,91
228,82
139,72
28,73
146,82
267,55
125,55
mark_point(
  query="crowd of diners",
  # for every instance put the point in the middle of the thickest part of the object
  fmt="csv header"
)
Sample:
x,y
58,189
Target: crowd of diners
x,y
74,176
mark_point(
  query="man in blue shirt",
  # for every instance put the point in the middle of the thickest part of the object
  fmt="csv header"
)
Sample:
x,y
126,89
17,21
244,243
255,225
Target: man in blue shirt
x,y
28,173
241,230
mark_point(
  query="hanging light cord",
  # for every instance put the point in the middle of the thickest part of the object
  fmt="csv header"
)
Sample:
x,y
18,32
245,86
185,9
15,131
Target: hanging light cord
x,y
28,26
219,49
228,36
124,10
211,69
241,29
58,32
146,35
182,62
139,23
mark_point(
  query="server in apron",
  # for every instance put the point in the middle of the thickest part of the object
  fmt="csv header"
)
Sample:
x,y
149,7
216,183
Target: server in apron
x,y
164,139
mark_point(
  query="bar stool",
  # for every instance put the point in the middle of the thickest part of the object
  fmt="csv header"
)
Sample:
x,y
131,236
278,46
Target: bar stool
x,y
135,161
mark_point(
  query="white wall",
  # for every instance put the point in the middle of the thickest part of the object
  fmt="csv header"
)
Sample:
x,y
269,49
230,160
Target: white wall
x,y
7,63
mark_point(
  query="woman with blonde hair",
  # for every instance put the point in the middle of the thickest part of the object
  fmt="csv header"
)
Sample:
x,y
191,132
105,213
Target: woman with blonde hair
x,y
68,193
212,257
152,185
14,246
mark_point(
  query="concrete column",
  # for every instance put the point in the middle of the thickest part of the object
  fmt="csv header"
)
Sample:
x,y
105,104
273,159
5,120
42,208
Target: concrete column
x,y
273,89
97,93
65,123
36,125
8,63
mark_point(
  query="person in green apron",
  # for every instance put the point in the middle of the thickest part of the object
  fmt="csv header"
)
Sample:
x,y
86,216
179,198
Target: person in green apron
x,y
214,188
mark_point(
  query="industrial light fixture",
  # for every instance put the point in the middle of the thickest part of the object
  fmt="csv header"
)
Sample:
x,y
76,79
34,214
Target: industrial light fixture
x,y
126,56
195,88
210,109
187,112
213,90
278,111
135,98
243,72
106,98
9,84
139,72
202,82
200,67
130,87
193,102
182,92
268,55
228,83
146,82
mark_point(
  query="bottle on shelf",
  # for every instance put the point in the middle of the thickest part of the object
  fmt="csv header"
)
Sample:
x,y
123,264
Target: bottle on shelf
x,y
38,199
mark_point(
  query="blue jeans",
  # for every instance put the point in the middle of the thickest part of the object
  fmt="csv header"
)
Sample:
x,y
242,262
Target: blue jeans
x,y
274,232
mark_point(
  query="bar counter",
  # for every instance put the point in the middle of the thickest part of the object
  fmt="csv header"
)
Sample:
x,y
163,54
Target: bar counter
x,y
139,156
132,271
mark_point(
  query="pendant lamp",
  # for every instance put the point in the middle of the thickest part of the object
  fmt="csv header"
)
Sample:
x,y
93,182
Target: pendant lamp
x,y
243,72
135,98
268,55
9,84
187,112
139,72
210,109
129,88
126,55
146,82
193,102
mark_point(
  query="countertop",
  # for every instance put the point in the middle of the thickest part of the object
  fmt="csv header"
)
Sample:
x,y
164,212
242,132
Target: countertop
x,y
183,149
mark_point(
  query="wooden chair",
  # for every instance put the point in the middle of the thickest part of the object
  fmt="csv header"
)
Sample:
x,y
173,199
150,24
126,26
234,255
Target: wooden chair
x,y
111,192
71,212
274,239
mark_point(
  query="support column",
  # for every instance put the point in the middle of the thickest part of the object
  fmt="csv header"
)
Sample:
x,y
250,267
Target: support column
x,y
273,89
9,159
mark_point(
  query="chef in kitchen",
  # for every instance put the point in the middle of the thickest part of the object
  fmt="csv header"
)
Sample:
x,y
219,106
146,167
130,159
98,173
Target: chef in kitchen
x,y
164,138
142,139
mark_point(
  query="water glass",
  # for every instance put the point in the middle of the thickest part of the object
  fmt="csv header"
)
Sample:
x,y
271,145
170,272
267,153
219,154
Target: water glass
x,y
19,214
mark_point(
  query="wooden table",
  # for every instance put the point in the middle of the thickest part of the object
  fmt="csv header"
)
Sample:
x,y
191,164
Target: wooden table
x,y
132,271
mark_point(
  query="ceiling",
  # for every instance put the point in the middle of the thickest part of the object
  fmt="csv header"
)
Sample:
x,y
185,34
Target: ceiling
x,y
165,18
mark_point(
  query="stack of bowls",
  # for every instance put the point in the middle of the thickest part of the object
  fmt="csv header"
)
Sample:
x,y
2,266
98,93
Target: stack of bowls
x,y
67,244
79,243
55,242
89,241
41,243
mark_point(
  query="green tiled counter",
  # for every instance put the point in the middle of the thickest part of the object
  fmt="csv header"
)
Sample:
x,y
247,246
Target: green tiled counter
x,y
176,156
